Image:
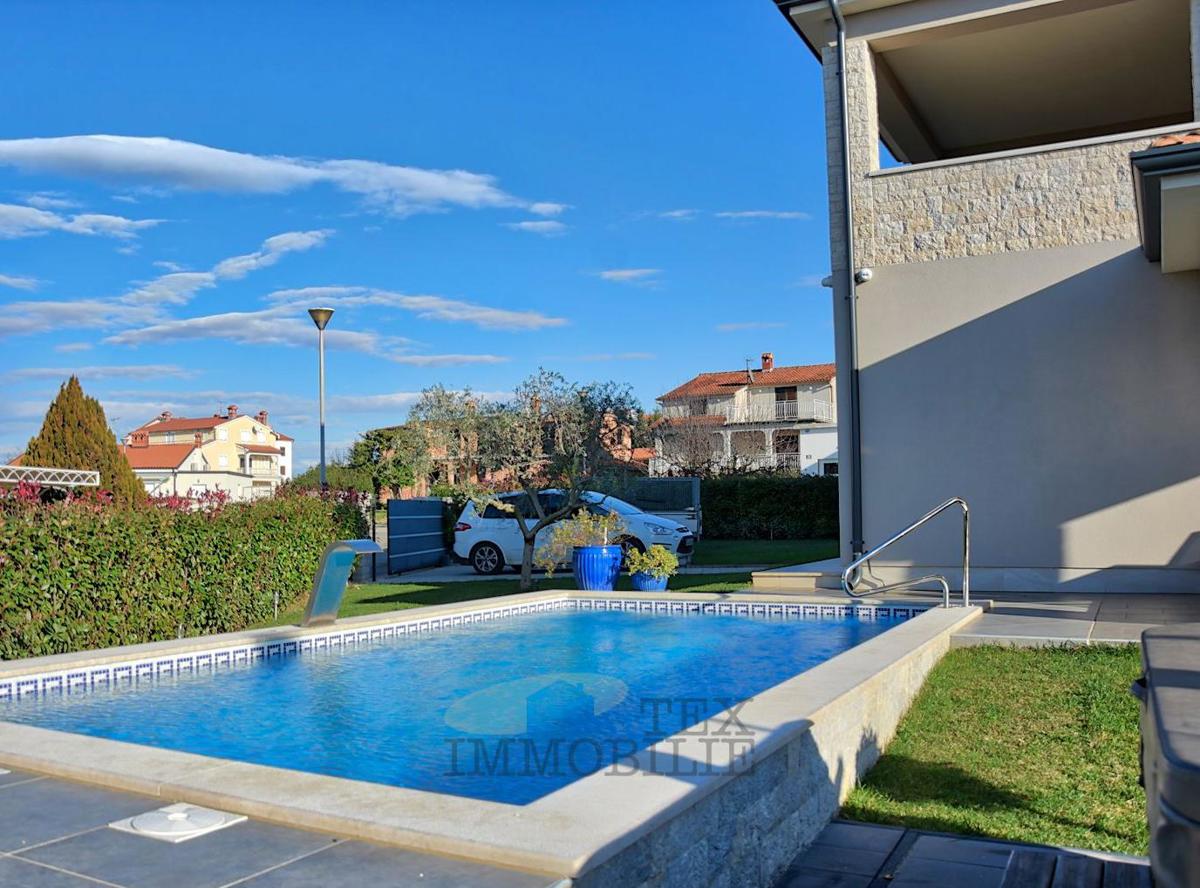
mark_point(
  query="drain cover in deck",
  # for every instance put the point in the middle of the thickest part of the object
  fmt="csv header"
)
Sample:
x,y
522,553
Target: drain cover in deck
x,y
177,823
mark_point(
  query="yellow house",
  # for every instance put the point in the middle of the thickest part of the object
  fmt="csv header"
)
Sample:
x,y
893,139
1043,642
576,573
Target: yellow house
x,y
237,453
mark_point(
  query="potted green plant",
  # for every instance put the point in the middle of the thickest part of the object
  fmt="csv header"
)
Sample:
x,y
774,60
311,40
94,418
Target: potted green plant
x,y
584,542
649,570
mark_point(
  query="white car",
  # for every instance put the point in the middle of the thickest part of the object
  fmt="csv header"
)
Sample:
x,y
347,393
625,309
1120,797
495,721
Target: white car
x,y
492,540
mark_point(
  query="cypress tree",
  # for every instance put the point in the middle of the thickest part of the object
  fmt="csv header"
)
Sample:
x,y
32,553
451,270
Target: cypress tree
x,y
75,435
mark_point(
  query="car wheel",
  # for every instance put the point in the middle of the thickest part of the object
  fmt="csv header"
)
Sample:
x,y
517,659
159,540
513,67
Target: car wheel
x,y
486,558
629,544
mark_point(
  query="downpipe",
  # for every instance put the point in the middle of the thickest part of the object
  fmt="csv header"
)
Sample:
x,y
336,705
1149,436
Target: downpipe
x,y
857,544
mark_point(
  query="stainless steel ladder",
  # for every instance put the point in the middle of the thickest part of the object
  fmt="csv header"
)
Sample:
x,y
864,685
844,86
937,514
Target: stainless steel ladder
x,y
852,574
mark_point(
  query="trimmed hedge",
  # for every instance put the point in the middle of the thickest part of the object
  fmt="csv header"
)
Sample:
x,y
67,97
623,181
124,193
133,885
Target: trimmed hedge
x,y
771,507
81,574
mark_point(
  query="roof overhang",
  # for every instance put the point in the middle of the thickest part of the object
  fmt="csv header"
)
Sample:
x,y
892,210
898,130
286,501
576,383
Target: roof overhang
x,y
961,78
1167,185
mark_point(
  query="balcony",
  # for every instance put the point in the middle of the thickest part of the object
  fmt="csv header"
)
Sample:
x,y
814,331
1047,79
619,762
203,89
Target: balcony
x,y
814,410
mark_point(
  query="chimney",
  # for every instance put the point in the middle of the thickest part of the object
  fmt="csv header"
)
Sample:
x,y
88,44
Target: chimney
x,y
139,439
768,360
231,411
261,416
165,415
198,439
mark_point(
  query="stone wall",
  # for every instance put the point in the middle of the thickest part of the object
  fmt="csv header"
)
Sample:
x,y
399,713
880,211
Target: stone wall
x,y
746,831
1021,200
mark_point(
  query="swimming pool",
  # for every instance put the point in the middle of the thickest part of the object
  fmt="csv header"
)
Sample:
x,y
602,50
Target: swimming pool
x,y
506,710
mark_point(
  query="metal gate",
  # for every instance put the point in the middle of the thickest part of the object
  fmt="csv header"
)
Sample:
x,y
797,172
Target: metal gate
x,y
414,534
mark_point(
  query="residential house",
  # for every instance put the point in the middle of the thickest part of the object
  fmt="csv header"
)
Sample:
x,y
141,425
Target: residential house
x,y
236,453
1015,284
767,417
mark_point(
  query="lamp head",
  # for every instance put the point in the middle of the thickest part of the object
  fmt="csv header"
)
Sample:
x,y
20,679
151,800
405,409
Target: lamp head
x,y
320,316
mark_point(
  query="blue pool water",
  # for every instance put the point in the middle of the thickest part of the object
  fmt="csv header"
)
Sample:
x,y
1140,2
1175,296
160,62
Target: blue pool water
x,y
508,710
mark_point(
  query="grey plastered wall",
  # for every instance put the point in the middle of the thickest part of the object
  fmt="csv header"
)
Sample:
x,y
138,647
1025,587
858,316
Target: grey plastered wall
x,y
1016,348
1057,390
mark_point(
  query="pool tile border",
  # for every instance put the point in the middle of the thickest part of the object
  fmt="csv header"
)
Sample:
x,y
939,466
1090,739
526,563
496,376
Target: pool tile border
x,y
75,680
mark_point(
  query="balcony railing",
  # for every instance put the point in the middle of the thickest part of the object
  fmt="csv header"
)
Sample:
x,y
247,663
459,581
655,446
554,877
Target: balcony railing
x,y
815,410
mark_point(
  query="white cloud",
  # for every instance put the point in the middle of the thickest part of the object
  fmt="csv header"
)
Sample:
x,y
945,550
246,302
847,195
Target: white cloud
x,y
50,200
373,403
178,287
544,227
18,283
749,325
762,214
68,347
273,248
124,371
436,308
629,275
286,325
21,221
399,190
167,265
40,316
681,215
547,208
441,309
273,326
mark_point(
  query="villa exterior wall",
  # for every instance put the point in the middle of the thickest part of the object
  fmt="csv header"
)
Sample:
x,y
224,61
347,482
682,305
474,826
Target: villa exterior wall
x,y
1016,348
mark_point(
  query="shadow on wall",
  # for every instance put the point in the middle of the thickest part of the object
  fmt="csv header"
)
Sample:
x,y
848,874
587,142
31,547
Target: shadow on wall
x,y
1055,390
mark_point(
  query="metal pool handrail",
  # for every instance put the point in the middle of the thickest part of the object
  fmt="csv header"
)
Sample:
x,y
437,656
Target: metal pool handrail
x,y
853,569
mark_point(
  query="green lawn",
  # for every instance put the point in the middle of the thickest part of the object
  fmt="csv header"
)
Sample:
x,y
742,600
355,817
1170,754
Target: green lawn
x,y
1034,745
773,553
374,598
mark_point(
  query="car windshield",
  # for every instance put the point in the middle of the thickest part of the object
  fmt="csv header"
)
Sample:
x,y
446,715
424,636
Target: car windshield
x,y
619,506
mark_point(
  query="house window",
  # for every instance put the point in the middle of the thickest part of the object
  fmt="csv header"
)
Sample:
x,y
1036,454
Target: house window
x,y
170,437
262,439
282,451
245,435
222,434
223,461
829,468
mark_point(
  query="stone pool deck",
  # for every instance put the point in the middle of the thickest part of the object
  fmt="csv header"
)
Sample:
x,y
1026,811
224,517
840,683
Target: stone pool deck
x,y
54,834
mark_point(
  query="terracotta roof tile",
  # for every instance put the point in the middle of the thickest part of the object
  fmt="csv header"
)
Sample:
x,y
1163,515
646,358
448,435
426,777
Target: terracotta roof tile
x,y
157,456
259,448
182,424
729,381
1177,139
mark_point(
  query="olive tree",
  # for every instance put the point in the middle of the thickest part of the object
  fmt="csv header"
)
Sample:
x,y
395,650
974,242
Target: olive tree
x,y
552,434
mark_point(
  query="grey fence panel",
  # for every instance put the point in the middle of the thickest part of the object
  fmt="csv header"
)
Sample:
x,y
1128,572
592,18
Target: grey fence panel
x,y
414,534
677,498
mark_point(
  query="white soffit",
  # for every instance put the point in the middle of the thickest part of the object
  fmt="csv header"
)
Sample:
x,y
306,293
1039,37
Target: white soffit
x,y
1181,222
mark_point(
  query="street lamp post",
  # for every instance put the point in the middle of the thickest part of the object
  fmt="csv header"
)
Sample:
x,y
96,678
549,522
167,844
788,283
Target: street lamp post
x,y
321,318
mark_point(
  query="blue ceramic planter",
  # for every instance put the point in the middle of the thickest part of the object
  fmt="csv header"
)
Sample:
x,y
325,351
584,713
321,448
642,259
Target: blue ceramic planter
x,y
645,582
596,567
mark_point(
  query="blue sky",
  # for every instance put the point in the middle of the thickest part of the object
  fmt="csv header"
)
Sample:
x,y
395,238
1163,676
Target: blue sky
x,y
632,192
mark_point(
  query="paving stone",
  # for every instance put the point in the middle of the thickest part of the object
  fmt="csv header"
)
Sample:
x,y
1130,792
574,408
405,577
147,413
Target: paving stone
x,y
218,858
42,810
355,864
15,873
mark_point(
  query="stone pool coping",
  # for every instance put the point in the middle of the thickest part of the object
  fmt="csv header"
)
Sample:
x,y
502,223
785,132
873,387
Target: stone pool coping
x,y
566,833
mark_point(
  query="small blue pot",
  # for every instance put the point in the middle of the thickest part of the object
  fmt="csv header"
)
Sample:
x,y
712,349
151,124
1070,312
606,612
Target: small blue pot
x,y
597,567
645,582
